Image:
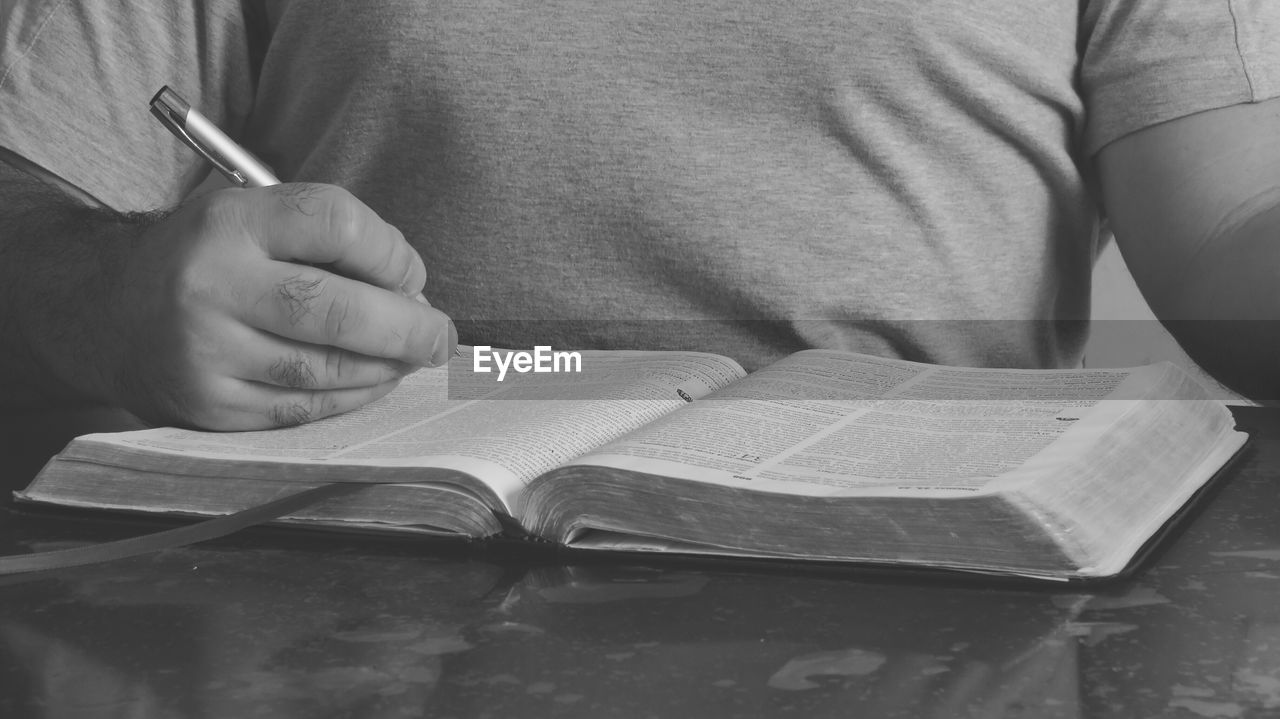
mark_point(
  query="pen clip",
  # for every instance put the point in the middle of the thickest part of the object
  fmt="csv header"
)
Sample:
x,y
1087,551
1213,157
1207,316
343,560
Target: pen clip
x,y
171,111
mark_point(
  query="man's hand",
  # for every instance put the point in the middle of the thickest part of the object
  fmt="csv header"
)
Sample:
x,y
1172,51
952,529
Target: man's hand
x,y
244,309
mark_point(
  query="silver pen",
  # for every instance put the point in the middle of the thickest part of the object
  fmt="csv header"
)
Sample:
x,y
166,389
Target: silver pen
x,y
233,161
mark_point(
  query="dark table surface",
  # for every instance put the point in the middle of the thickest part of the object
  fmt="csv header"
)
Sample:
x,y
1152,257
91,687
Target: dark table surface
x,y
280,623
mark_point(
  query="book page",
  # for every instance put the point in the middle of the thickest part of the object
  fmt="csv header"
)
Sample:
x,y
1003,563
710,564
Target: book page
x,y
882,427
443,419
1163,450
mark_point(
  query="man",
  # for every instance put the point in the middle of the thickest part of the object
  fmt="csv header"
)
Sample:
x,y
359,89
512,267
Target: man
x,y
916,179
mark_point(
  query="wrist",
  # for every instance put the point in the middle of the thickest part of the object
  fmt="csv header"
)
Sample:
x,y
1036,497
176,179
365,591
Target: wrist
x,y
64,282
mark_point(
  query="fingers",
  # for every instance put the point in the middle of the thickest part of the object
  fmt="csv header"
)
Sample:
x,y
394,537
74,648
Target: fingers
x,y
316,307
253,406
324,224
254,380
267,359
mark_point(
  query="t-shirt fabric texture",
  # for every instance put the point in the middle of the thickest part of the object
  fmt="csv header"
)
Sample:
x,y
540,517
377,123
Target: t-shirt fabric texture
x,y
903,178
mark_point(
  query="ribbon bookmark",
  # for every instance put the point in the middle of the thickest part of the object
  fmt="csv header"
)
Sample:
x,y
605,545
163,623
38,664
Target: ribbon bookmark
x,y
173,538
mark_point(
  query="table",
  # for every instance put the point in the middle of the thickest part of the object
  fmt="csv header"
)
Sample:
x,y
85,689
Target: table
x,y
280,623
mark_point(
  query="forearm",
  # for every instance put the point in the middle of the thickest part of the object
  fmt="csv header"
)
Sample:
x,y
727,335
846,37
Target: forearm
x,y
57,254
1223,307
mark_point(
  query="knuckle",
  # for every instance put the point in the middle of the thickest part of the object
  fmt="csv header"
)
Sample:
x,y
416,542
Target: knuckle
x,y
341,317
327,405
185,266
188,289
298,293
335,365
294,372
297,198
345,216
289,414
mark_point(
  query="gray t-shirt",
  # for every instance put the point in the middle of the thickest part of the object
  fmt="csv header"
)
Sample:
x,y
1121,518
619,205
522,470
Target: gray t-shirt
x,y
890,176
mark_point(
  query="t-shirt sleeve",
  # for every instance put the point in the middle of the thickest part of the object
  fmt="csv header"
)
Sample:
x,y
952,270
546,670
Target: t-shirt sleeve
x,y
1145,62
76,79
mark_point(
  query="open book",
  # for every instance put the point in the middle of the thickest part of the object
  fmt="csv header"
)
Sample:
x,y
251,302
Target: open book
x,y
823,455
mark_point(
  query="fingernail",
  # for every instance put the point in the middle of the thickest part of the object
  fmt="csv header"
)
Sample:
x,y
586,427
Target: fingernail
x,y
421,298
404,281
444,346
